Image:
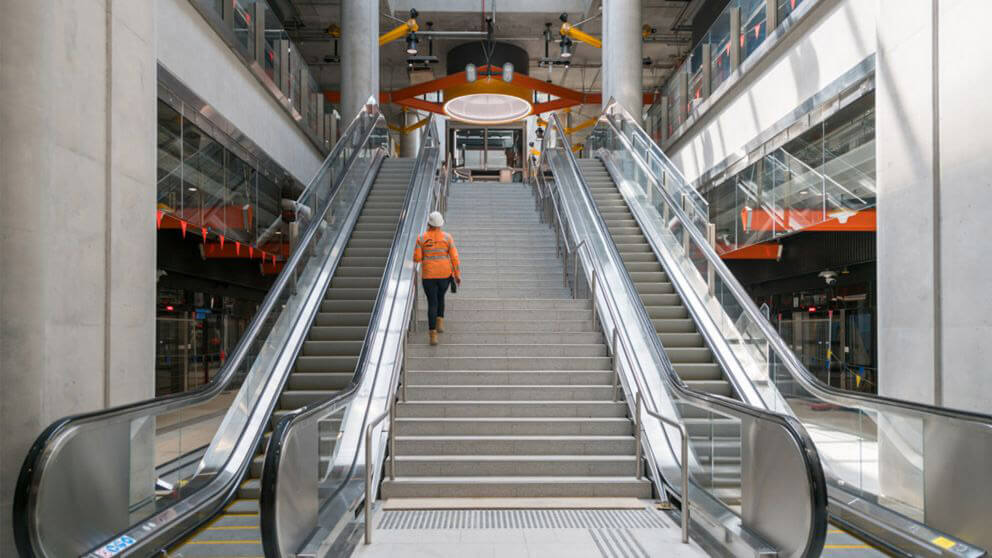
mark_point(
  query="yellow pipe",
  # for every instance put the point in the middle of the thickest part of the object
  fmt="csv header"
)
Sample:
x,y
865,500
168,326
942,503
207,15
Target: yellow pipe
x,y
580,35
399,31
591,122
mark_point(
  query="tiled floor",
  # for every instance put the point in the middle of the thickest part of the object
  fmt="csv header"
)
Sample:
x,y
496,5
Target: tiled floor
x,y
577,534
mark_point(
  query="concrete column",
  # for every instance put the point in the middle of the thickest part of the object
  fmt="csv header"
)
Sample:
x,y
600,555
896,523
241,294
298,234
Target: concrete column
x,y
707,63
771,16
622,54
77,222
409,141
735,38
359,55
683,107
932,126
664,117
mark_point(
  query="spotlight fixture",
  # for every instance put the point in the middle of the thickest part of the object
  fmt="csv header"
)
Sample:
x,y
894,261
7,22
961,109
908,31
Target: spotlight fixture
x,y
508,72
411,43
470,74
566,47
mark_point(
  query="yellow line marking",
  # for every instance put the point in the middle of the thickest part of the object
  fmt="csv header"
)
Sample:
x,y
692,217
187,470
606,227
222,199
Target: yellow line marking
x,y
845,546
225,542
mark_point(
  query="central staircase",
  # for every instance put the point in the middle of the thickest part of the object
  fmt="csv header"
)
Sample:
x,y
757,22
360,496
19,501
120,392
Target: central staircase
x,y
517,400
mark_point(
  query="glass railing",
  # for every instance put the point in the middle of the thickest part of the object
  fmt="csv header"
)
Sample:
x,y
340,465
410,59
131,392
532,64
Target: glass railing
x,y
136,477
781,195
662,404
890,465
742,26
317,456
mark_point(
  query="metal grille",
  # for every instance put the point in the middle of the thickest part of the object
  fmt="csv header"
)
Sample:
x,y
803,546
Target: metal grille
x,y
523,519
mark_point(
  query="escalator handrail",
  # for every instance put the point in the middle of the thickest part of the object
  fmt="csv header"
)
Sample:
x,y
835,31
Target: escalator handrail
x,y
726,406
33,467
280,434
792,363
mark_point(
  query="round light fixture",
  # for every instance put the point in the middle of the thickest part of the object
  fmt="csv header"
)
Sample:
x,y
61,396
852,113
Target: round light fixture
x,y
487,101
487,108
411,43
566,47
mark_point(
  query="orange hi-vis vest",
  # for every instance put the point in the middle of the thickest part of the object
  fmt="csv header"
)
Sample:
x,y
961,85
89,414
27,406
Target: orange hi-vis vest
x,y
436,249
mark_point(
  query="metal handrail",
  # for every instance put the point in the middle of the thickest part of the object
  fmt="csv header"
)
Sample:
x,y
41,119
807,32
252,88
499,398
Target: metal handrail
x,y
38,455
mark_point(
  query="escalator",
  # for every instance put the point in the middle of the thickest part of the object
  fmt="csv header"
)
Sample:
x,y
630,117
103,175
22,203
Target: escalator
x,y
716,440
327,361
892,467
155,475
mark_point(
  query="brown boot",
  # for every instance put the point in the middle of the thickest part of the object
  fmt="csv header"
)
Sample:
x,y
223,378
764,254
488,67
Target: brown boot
x,y
440,325
433,337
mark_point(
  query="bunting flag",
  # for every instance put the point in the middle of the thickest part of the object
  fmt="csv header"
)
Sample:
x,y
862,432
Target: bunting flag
x,y
757,29
203,230
237,248
158,218
251,251
221,241
183,225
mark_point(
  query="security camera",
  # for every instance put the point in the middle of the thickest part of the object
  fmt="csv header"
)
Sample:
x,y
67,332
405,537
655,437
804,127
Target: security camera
x,y
830,277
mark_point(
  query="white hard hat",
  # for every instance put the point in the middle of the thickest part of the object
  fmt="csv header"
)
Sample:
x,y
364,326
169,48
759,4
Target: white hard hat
x,y
435,219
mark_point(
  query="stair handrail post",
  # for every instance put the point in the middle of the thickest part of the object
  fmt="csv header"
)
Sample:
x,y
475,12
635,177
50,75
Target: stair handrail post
x,y
710,270
369,472
638,470
616,363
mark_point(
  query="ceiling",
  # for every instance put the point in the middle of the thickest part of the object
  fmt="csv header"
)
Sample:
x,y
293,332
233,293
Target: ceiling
x,y
520,22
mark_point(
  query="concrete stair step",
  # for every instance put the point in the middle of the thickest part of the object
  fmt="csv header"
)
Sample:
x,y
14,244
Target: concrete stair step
x,y
495,350
506,392
509,363
461,303
471,326
475,487
519,315
453,336
521,426
515,445
547,409
483,466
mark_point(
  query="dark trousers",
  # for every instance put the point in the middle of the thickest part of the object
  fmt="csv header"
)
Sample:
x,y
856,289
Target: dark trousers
x,y
435,289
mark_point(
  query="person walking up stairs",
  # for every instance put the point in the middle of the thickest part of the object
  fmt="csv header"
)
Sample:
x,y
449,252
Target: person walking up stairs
x,y
438,257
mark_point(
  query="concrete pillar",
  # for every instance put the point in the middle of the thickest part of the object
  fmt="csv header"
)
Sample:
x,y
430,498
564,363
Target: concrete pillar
x,y
359,55
622,54
932,126
683,107
707,63
77,222
735,38
771,16
664,118
409,141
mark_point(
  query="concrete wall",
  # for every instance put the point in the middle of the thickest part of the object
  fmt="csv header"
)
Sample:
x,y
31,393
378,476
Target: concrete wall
x,y
190,49
836,36
77,227
935,187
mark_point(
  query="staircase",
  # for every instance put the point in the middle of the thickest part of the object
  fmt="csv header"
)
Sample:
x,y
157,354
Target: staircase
x,y
327,361
715,440
517,400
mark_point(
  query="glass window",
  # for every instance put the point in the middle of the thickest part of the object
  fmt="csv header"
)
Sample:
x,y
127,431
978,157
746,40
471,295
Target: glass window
x,y
203,178
241,193
268,200
274,35
753,26
720,49
244,25
170,153
786,7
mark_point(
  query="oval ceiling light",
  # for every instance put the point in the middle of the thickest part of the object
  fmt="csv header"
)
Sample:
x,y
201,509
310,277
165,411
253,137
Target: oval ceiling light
x,y
487,101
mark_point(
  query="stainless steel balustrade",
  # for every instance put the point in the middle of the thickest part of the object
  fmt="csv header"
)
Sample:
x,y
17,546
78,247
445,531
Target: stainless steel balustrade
x,y
786,523
87,483
895,469
299,509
